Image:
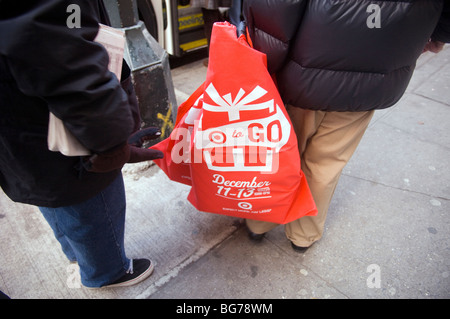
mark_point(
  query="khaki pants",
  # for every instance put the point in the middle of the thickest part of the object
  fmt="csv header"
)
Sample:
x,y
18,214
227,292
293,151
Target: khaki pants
x,y
326,141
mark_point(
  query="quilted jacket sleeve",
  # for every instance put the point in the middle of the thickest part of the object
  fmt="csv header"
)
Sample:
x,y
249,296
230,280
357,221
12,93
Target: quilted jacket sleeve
x,y
271,28
66,68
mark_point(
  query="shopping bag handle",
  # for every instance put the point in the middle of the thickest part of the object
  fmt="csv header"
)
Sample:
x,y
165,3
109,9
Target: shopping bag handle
x,y
242,30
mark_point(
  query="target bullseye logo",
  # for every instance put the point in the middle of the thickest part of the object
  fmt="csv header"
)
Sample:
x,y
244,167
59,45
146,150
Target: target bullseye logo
x,y
217,137
245,205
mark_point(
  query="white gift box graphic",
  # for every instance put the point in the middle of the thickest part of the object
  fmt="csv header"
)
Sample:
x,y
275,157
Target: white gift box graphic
x,y
226,104
265,135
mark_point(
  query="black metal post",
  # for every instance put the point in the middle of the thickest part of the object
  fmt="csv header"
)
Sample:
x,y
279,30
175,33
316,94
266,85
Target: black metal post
x,y
149,65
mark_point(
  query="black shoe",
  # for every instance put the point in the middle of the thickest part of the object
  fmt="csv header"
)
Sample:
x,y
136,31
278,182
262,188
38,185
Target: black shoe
x,y
255,237
139,270
299,249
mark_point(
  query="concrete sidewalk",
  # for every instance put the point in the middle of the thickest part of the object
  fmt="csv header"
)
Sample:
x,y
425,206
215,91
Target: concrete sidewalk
x,y
387,234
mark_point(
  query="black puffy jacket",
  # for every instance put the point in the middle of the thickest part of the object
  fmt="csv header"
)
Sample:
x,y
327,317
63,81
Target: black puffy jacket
x,y
352,55
47,66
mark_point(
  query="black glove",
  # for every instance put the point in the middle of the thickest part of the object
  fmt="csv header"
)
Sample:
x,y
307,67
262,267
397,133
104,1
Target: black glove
x,y
141,136
130,152
138,154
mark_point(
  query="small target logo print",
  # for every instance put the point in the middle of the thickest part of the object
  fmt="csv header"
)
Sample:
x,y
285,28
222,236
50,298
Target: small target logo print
x,y
245,205
217,137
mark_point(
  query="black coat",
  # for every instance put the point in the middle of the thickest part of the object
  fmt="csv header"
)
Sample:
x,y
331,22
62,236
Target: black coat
x,y
46,66
337,55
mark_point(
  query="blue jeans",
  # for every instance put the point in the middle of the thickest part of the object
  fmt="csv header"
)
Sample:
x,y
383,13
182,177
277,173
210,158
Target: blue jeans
x,y
92,233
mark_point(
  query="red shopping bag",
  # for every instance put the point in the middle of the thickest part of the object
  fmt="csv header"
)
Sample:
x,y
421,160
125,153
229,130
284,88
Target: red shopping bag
x,y
233,141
